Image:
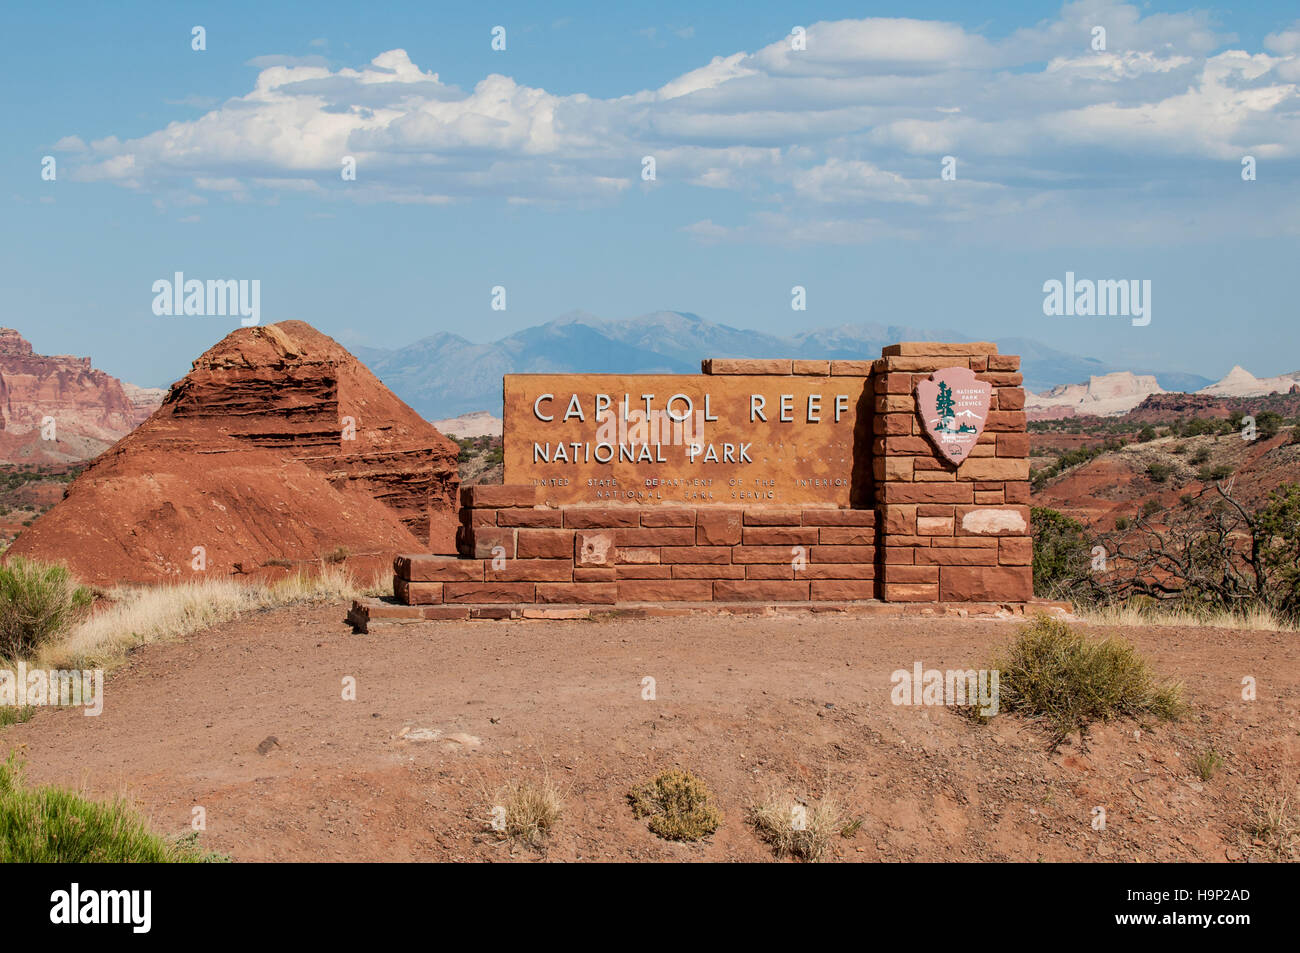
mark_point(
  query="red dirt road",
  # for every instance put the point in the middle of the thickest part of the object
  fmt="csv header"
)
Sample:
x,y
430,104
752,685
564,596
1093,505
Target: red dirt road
x,y
801,703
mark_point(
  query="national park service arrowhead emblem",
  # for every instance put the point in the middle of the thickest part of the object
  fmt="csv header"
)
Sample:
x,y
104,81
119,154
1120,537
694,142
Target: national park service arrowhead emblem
x,y
953,407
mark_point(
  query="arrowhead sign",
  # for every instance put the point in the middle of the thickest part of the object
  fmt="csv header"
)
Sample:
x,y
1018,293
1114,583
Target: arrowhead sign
x,y
953,406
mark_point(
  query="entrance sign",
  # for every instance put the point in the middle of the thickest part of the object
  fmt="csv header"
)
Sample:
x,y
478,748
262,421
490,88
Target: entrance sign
x,y
684,438
953,406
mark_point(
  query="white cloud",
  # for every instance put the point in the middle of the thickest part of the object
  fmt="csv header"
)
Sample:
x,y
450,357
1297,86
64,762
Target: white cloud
x,y
858,119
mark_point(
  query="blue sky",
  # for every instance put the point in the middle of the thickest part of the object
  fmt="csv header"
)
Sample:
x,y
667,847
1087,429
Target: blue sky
x,y
775,167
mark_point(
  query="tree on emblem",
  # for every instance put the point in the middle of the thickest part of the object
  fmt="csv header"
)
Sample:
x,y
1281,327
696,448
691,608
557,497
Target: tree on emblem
x,y
944,405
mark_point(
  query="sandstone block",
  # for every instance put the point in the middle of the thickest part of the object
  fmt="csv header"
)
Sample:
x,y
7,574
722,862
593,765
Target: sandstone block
x,y
941,348
487,592
532,518
641,571
653,517
847,536
772,516
852,368
743,365
665,590
531,570
695,554
592,593
497,495
780,535
545,544
825,516
594,549
909,592
1016,551
601,517
658,536
993,520
842,590
417,593
718,527
760,590
986,584
422,568
707,571
816,368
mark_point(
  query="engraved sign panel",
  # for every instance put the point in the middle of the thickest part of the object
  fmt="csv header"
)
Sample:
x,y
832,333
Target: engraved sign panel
x,y
688,438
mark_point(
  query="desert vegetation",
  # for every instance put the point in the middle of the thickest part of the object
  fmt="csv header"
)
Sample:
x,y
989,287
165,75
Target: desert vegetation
x,y
46,617
38,603
1067,682
678,804
802,829
52,825
527,811
1215,556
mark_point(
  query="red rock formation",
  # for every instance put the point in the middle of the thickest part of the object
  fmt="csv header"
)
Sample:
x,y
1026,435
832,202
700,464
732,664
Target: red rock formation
x,y
278,445
67,388
90,409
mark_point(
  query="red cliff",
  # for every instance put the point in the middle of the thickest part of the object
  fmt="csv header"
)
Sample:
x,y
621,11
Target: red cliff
x,y
88,409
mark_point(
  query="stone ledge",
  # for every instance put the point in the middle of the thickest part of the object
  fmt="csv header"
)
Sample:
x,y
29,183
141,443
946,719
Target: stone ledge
x,y
371,611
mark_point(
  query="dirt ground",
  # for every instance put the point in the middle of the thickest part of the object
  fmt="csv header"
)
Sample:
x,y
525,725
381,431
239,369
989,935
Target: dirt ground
x,y
446,713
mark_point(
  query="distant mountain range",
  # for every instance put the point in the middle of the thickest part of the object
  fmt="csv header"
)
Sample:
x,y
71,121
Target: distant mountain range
x,y
445,375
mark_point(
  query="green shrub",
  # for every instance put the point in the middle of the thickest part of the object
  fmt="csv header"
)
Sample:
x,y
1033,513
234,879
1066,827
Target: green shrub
x,y
678,805
1267,424
1206,763
1057,675
1159,472
37,602
1209,474
1147,434
1062,553
51,825
1202,455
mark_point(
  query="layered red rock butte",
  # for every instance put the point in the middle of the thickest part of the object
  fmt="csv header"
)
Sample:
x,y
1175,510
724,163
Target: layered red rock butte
x,y
90,409
278,446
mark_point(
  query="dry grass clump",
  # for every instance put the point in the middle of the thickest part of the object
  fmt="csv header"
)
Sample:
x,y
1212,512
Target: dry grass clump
x,y
678,804
1253,618
527,811
1068,681
800,829
140,616
1274,825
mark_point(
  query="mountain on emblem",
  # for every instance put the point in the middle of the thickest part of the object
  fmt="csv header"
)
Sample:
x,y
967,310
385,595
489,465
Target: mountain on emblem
x,y
953,406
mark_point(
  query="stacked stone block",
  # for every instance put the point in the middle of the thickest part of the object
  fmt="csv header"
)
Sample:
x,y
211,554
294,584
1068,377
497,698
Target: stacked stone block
x,y
513,550
951,533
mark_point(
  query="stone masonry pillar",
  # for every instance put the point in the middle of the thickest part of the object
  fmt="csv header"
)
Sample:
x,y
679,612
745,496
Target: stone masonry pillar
x,y
951,533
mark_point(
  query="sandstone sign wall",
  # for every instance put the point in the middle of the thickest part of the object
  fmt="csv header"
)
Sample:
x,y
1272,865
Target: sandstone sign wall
x,y
918,492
